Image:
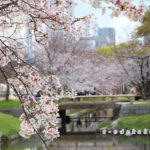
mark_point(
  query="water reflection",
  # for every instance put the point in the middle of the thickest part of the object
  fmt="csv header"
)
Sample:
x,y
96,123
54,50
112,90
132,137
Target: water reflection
x,y
79,124
78,137
23,144
30,148
88,122
88,141
83,127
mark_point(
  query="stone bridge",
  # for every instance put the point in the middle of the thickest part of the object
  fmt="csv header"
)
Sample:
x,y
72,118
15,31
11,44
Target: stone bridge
x,y
86,105
95,102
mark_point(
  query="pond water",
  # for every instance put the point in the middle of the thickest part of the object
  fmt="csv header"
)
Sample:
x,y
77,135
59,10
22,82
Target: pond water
x,y
81,135
86,122
85,141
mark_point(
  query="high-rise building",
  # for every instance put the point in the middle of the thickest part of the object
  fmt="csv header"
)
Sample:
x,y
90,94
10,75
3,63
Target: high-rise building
x,y
105,36
146,39
30,54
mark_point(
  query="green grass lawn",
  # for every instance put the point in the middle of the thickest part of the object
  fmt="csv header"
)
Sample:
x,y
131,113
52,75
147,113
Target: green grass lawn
x,y
144,103
66,100
121,98
136,122
9,125
18,148
80,111
107,124
89,99
16,103
9,104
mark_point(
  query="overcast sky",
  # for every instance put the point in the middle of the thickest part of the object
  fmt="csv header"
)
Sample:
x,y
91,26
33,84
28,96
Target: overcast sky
x,y
123,26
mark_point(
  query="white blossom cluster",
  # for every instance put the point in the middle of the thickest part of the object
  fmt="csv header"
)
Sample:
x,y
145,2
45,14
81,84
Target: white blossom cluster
x,y
43,112
120,6
40,113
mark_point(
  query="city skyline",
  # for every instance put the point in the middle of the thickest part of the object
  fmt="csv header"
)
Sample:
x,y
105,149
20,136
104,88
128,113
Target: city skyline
x,y
105,36
123,26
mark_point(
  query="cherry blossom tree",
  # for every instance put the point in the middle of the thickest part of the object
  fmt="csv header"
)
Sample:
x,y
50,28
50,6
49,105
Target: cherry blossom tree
x,y
70,60
40,114
134,58
125,7
77,67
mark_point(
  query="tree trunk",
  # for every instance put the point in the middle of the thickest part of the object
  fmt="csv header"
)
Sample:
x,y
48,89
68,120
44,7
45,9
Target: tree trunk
x,y
7,93
145,94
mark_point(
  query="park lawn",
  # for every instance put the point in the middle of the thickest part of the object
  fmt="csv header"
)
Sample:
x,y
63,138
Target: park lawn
x,y
121,98
138,122
18,148
80,111
9,125
135,122
143,103
10,104
107,124
66,100
89,99
21,147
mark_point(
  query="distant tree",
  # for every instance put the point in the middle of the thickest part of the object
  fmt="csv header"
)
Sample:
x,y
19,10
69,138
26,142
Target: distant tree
x,y
144,29
15,17
135,61
69,59
106,51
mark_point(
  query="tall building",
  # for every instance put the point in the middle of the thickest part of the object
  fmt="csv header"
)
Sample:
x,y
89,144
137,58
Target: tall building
x,y
146,39
30,54
105,36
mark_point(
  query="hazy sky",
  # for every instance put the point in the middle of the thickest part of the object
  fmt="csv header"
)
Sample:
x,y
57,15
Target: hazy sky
x,y
123,26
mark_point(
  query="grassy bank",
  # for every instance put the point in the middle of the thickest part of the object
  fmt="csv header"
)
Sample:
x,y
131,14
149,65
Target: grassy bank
x,y
80,111
136,122
9,125
89,99
107,124
9,104
16,103
143,103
